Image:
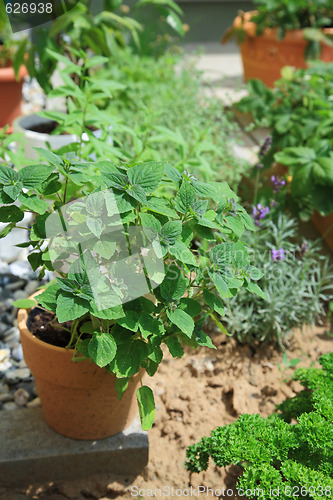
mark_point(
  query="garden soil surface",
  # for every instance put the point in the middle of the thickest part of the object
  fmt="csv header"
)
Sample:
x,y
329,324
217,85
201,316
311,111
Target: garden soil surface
x,y
205,389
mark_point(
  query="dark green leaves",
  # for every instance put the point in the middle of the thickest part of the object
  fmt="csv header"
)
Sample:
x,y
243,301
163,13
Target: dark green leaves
x,y
70,307
102,348
183,320
170,232
214,302
146,405
146,175
11,213
185,198
174,284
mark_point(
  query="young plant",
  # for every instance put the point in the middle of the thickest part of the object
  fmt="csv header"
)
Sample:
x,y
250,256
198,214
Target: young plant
x,y
286,15
296,279
279,459
144,255
299,111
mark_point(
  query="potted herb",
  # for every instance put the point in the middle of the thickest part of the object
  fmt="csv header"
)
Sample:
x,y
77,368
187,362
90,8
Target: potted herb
x,y
143,260
12,73
299,113
282,33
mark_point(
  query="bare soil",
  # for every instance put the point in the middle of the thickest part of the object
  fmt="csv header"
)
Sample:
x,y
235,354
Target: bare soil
x,y
205,389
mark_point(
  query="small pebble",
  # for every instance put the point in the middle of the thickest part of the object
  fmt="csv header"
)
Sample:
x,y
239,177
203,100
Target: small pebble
x,y
34,403
15,285
9,406
4,354
6,397
4,366
21,397
4,389
31,287
17,353
3,267
19,294
12,335
14,376
3,329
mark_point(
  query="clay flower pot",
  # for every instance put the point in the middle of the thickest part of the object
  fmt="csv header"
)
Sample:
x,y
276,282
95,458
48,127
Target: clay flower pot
x,y
264,56
10,94
79,399
324,225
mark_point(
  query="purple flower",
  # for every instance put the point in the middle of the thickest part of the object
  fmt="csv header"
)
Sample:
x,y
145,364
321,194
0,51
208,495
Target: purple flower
x,y
278,254
277,182
258,213
304,248
260,165
265,147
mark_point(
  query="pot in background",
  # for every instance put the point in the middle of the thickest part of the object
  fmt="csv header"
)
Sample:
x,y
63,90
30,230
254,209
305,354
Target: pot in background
x,y
10,94
79,399
264,56
324,225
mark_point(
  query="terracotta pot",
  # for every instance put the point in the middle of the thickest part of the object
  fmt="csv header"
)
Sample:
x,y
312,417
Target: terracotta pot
x,y
79,399
325,227
10,94
264,56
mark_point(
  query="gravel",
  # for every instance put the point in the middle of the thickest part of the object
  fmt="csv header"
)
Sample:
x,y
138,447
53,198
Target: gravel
x,y
17,386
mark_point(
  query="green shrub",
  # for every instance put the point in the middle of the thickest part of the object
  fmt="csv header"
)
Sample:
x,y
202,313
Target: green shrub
x,y
296,279
300,113
164,112
294,460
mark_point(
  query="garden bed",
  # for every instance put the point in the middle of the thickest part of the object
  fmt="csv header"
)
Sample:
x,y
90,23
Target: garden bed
x,y
195,394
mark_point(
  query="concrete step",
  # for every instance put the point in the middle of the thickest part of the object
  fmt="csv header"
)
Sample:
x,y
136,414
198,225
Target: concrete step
x,y
31,452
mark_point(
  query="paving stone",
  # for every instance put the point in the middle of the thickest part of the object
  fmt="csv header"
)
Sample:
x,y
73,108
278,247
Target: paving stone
x,y
32,453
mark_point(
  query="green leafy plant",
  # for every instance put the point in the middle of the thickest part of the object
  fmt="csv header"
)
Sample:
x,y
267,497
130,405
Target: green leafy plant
x,y
300,113
12,48
279,459
285,15
163,111
296,279
190,236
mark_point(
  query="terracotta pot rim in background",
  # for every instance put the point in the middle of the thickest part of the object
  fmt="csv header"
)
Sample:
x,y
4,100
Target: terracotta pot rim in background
x,y
270,33
7,74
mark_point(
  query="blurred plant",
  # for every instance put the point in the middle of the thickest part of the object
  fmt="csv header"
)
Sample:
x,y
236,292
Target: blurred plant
x,y
296,279
9,156
164,112
286,364
300,113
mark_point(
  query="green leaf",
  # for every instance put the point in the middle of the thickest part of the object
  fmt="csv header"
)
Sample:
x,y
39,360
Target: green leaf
x,y
146,175
185,198
130,321
48,298
7,175
254,288
138,193
146,405
171,231
24,303
190,306
35,260
161,206
235,225
34,203
183,320
322,171
13,190
33,175
148,220
105,248
50,157
70,307
150,326
174,347
102,348
204,340
173,174
180,251
174,284
204,189
220,284
95,225
6,230
130,355
214,302
302,183
11,213
121,386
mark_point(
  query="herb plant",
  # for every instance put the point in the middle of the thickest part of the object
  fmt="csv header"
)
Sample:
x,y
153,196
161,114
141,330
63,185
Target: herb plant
x,y
279,459
299,112
190,236
286,15
296,278
163,111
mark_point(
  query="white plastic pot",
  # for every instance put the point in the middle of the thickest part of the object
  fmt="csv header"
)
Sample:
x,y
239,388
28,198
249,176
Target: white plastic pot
x,y
32,139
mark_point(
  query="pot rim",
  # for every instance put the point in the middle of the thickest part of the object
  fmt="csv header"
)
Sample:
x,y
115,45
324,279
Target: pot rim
x,y
269,33
43,136
22,317
7,74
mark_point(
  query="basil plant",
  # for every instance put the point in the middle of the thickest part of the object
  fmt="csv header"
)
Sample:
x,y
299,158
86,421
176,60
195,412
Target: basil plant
x,y
143,255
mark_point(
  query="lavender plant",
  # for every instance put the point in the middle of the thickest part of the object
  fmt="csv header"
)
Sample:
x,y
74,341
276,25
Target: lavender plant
x,y
295,277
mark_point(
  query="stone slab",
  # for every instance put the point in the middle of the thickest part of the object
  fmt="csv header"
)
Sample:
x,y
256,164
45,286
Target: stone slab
x,y
32,453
